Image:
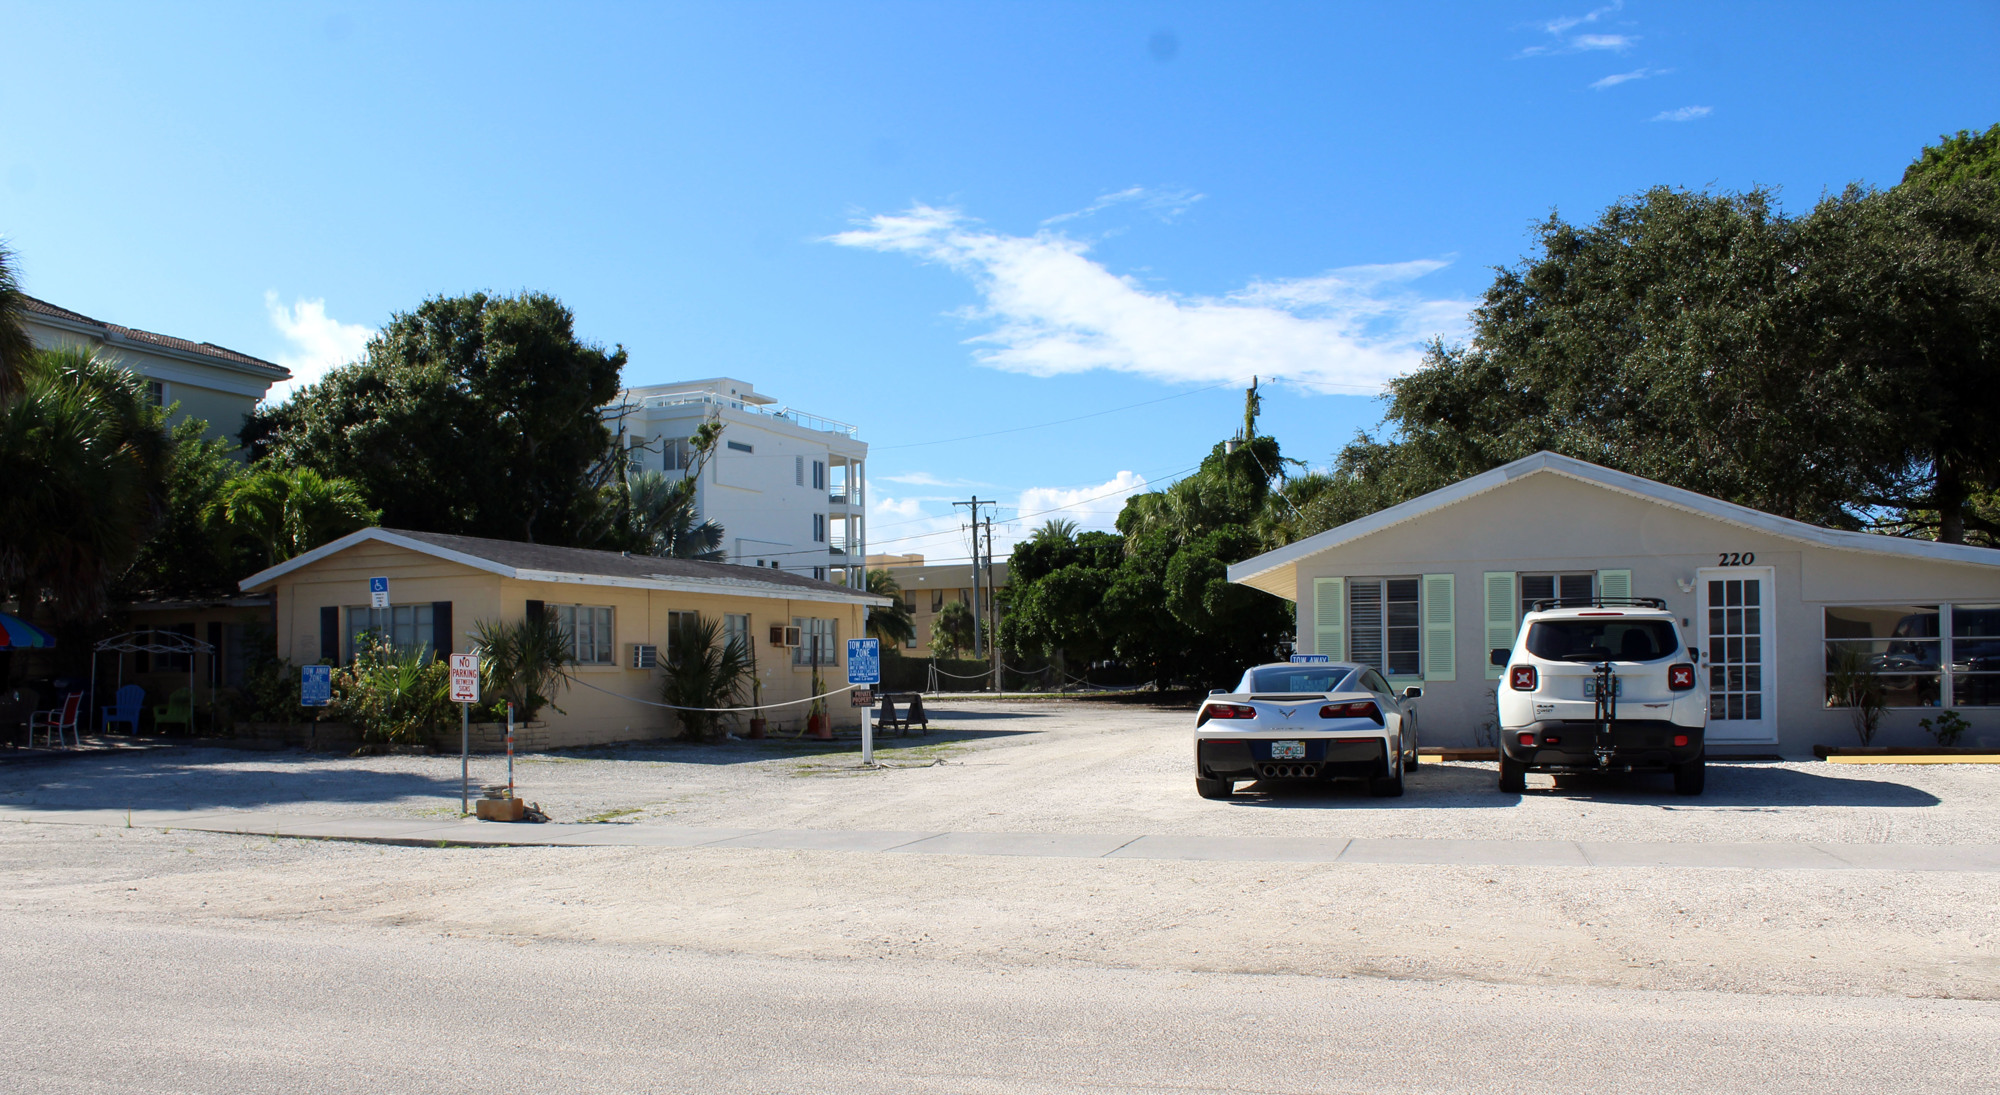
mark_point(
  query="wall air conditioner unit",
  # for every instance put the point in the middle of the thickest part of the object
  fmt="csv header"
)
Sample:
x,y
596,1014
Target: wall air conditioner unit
x,y
644,656
784,636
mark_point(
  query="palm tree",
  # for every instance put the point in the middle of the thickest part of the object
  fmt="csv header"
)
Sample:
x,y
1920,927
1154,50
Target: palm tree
x,y
291,511
15,346
892,625
665,518
704,671
83,468
951,632
527,661
1056,530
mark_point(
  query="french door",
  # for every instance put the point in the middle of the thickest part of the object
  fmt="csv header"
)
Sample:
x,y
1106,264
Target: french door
x,y
1737,628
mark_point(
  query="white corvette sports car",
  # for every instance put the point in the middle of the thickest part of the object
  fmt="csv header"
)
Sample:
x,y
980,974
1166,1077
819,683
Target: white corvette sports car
x,y
1306,719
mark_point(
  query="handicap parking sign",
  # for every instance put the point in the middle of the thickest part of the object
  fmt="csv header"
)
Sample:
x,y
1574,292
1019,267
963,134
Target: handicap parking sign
x,y
864,661
315,685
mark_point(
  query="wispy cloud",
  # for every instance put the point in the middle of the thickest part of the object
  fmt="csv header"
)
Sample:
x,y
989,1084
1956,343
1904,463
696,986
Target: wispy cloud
x,y
1165,204
1564,42
925,479
1055,310
1626,77
1091,507
319,342
1684,114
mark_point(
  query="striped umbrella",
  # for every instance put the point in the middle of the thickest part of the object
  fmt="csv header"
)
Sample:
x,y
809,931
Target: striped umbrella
x,y
19,634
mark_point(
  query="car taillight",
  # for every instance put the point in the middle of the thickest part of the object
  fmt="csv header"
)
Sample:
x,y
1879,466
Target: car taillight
x,y
1680,678
1526,739
1225,711
1361,710
1680,740
1521,678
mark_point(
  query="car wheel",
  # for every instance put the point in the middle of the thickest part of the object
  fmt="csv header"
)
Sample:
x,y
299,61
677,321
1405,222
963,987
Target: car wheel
x,y
1513,776
1214,788
1388,786
1689,778
1410,763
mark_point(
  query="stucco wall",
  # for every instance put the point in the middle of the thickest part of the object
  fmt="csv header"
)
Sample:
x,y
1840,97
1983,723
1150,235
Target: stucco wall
x,y
1550,522
605,711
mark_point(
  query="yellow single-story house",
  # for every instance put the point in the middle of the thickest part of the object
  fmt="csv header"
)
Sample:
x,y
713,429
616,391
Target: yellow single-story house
x,y
618,608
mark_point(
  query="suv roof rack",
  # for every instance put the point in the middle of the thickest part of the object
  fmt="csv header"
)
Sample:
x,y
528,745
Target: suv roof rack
x,y
1598,602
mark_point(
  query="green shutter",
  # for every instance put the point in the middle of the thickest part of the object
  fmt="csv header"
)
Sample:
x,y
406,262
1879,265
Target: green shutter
x,y
1440,640
1614,585
1330,617
1500,625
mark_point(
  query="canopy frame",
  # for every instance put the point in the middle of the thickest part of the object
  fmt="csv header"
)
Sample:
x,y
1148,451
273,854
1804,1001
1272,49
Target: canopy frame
x,y
149,641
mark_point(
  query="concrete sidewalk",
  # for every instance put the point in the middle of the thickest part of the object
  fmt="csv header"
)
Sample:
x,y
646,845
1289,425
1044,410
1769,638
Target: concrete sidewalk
x,y
1243,849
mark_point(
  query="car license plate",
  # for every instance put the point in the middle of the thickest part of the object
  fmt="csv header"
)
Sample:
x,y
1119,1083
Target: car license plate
x,y
1288,750
1590,687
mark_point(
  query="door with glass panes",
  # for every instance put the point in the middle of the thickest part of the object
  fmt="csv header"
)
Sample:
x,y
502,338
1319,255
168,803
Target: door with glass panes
x,y
1737,627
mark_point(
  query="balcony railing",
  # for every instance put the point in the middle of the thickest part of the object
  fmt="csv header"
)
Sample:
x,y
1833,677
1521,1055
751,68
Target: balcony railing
x,y
790,414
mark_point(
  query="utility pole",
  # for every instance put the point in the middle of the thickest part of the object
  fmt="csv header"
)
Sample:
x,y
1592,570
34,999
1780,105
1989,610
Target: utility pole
x,y
978,644
993,591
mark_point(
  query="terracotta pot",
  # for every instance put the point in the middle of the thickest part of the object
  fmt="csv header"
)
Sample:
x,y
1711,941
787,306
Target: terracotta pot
x,y
820,726
756,729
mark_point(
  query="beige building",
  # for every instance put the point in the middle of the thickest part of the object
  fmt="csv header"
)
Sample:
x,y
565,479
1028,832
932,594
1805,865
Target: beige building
x,y
210,382
618,608
927,589
1426,590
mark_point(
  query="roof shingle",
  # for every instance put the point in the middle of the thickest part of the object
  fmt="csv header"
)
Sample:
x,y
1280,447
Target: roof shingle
x,y
133,334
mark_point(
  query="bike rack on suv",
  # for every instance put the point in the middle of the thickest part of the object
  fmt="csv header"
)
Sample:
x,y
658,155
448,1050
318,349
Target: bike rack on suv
x,y
1598,602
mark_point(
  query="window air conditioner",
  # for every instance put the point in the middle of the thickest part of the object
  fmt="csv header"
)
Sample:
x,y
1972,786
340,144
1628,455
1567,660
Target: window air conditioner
x,y
784,636
645,656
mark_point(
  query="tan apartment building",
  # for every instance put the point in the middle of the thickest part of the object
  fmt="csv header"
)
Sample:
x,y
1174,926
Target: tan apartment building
x,y
927,589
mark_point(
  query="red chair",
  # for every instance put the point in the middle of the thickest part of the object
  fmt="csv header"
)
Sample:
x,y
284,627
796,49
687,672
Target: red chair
x,y
54,724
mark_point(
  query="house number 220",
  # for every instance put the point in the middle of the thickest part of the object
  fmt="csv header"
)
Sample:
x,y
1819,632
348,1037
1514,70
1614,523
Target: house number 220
x,y
1736,558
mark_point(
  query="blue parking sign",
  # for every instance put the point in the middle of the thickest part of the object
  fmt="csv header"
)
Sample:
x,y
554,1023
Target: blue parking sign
x,y
1309,659
315,685
864,661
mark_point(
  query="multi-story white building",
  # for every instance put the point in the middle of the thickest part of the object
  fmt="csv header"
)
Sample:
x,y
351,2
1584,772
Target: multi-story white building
x,y
787,487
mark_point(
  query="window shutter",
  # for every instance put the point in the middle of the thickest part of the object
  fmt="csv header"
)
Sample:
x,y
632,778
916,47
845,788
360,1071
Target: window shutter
x,y
329,634
440,630
799,471
535,608
1499,618
1614,585
1440,646
1330,617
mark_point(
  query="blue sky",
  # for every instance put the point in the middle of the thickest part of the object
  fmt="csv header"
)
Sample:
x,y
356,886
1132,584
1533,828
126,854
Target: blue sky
x,y
933,220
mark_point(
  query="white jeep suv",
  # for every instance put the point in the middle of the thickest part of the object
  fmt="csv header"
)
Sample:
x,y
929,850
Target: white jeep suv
x,y
1603,686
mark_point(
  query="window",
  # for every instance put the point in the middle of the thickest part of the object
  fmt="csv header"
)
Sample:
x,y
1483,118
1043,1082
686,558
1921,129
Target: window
x,y
676,454
406,627
819,475
819,528
1298,678
1571,588
937,600
1628,640
819,573
589,629
1372,681
1385,625
676,621
1975,655
825,632
1900,645
741,447
736,629
156,394
166,660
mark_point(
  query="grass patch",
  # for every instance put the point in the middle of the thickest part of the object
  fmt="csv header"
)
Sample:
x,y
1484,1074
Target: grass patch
x,y
612,815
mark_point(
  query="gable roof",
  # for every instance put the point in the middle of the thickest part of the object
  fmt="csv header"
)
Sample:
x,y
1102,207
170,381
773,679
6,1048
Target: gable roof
x,y
1272,571
112,332
582,566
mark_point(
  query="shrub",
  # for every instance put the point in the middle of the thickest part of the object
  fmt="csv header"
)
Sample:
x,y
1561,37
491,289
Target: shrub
x,y
702,670
392,697
1946,731
526,661
1854,687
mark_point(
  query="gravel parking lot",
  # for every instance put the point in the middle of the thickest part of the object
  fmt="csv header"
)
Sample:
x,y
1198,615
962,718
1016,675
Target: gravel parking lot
x,y
1046,767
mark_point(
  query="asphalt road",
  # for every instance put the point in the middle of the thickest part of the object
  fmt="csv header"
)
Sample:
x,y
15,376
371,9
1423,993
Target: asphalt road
x,y
92,1005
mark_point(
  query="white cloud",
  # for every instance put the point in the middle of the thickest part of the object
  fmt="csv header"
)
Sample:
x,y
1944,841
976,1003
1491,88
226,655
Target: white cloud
x,y
1622,77
319,342
1166,204
1054,310
926,479
1091,507
1620,42
1562,23
1560,27
1684,114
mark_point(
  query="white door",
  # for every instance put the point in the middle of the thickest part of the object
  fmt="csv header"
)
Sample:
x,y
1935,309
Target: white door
x,y
1737,629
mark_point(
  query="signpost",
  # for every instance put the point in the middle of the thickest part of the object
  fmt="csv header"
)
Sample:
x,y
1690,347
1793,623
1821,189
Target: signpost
x,y
465,693
864,666
378,593
315,685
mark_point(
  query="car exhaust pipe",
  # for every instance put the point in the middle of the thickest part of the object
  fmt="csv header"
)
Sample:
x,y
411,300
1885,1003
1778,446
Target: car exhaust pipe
x,y
1290,771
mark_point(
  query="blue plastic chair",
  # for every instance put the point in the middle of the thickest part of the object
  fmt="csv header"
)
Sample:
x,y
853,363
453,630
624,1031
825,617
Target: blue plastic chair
x,y
126,710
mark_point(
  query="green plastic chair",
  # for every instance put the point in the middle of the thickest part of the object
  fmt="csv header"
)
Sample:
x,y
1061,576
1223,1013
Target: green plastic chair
x,y
178,710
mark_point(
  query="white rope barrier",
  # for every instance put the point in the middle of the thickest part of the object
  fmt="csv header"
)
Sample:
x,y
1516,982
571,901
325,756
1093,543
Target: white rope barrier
x,y
717,710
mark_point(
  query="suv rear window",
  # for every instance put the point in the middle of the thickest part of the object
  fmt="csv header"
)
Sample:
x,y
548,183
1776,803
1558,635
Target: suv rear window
x,y
1603,640
1297,678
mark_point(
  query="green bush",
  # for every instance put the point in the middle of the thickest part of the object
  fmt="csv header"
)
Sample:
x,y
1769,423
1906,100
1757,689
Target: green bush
x,y
392,697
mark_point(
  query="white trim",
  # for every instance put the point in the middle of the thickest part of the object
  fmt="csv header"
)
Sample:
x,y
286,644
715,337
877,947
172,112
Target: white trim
x,y
739,586
1250,570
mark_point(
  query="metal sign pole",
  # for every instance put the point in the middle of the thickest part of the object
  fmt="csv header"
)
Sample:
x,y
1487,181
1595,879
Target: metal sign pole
x,y
464,757
510,749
